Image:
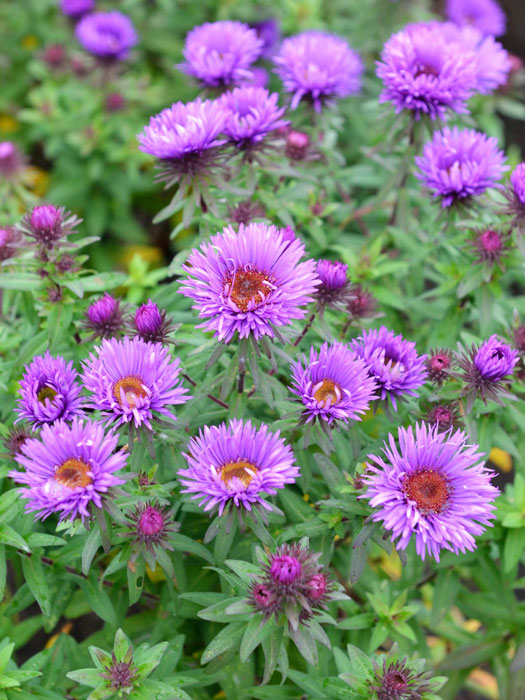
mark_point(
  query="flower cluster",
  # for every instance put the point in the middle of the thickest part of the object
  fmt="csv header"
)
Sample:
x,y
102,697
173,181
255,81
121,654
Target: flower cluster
x,y
237,465
434,486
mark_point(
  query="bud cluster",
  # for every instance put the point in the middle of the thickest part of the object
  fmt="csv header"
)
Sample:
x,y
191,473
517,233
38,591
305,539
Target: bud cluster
x,y
292,583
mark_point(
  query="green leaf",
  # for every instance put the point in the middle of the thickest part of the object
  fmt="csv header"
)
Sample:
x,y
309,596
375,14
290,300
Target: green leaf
x,y
42,539
471,655
91,546
183,543
446,588
514,545
357,622
227,638
86,676
255,632
36,580
12,538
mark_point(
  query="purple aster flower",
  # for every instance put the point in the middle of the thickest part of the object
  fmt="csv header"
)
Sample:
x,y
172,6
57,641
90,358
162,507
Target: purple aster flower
x,y
237,464
319,67
11,160
184,137
221,53
269,31
335,290
458,164
333,384
259,78
434,486
77,8
252,114
49,391
108,35
492,62
393,361
425,73
132,380
105,317
517,180
151,323
69,468
485,15
249,282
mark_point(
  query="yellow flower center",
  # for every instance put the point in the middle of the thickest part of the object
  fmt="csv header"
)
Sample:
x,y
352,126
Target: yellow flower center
x,y
241,469
46,393
131,388
328,391
73,472
246,286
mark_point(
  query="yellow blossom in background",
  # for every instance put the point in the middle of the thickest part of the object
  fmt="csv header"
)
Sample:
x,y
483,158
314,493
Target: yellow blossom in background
x,y
8,124
501,459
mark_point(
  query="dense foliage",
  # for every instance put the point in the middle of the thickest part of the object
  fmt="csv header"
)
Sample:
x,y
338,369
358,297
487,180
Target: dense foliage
x,y
262,357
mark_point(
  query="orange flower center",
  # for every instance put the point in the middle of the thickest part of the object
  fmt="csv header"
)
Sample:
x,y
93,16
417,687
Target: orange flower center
x,y
241,469
73,472
428,489
46,393
132,388
328,391
247,286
